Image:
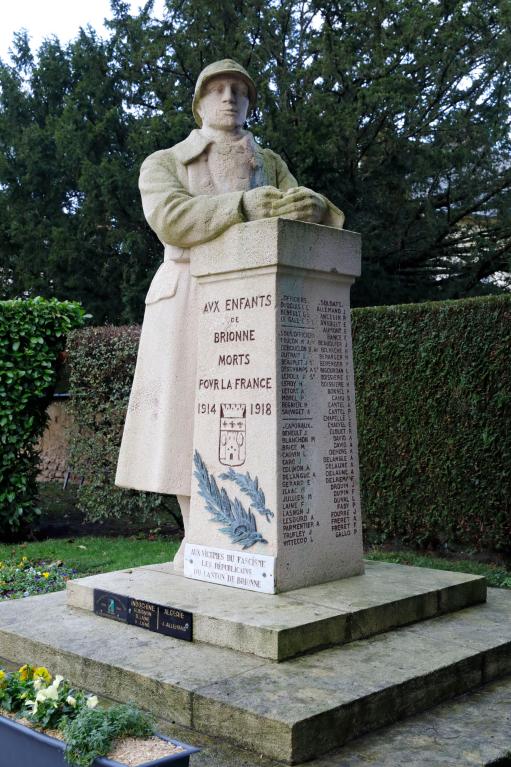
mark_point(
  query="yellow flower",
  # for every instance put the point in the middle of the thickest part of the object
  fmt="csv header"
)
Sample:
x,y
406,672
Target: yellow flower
x,y
42,673
3,678
45,575
26,672
24,559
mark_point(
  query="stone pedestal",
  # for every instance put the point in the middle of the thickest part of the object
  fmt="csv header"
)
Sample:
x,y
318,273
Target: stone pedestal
x,y
275,496
290,711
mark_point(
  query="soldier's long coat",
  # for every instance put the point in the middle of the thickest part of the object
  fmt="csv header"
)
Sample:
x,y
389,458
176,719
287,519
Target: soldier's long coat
x,y
182,203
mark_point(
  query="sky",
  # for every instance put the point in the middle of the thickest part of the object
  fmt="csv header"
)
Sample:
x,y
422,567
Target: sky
x,y
43,18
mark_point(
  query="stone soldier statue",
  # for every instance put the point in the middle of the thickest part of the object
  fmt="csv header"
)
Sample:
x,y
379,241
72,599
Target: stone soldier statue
x,y
191,193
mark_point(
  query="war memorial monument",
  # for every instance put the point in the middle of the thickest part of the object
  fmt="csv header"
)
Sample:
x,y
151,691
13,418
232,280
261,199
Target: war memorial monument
x,y
267,630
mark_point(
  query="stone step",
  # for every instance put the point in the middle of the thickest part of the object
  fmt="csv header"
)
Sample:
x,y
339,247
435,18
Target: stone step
x,y
282,626
291,711
449,735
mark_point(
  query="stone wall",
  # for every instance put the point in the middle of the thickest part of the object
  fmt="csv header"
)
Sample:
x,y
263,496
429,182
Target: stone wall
x,y
54,444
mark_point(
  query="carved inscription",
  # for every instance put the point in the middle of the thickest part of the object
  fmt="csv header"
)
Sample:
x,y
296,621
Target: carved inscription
x,y
274,433
339,464
235,398
239,569
298,369
314,363
235,370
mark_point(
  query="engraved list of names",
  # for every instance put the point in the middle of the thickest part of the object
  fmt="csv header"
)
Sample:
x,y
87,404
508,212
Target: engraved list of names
x,y
318,445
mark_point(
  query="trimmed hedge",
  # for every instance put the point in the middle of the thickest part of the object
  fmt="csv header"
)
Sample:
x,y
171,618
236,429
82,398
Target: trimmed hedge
x,y
32,333
433,386
433,403
102,363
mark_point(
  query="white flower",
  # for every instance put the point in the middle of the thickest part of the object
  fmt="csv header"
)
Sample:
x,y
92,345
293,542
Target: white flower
x,y
71,701
52,693
31,704
48,693
92,701
39,683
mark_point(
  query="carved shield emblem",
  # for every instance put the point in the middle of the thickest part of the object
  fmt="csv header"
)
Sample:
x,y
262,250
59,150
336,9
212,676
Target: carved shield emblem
x,y
233,428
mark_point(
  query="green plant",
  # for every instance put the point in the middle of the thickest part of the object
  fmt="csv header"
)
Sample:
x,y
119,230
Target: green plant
x,y
56,702
92,732
433,385
89,555
24,578
34,694
496,576
32,333
433,394
102,362
49,703
396,111
17,688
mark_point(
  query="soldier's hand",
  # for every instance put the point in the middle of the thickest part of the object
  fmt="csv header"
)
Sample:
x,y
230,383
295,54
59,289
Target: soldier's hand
x,y
260,202
302,204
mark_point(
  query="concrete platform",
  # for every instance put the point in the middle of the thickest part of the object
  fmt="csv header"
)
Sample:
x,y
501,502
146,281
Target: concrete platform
x,y
292,711
282,626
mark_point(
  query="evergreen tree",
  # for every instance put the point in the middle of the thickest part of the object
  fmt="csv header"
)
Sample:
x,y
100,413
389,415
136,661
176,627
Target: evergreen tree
x,y
398,111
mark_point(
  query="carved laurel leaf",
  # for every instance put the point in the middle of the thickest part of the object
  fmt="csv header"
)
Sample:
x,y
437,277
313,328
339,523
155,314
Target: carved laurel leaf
x,y
238,523
251,488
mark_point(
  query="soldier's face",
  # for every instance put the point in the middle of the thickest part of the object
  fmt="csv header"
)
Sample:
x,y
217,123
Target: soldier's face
x,y
224,103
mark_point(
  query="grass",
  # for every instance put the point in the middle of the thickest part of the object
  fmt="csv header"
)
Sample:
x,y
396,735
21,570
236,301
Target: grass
x,y
495,575
91,555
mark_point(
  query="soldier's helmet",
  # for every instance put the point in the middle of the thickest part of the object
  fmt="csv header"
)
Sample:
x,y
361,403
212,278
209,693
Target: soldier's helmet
x,y
223,67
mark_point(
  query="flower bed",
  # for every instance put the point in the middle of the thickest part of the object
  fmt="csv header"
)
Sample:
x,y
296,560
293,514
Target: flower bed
x,y
22,578
90,732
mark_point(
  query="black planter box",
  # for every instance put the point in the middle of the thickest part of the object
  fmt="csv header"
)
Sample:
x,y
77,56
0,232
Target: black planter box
x,y
22,747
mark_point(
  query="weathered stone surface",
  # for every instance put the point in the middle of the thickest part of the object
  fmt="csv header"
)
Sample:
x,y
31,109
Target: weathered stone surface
x,y
450,735
275,497
113,659
280,241
342,693
290,711
284,625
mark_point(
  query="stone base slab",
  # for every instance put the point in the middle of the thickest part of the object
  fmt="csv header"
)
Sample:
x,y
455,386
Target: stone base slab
x,y
282,626
450,734
292,711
